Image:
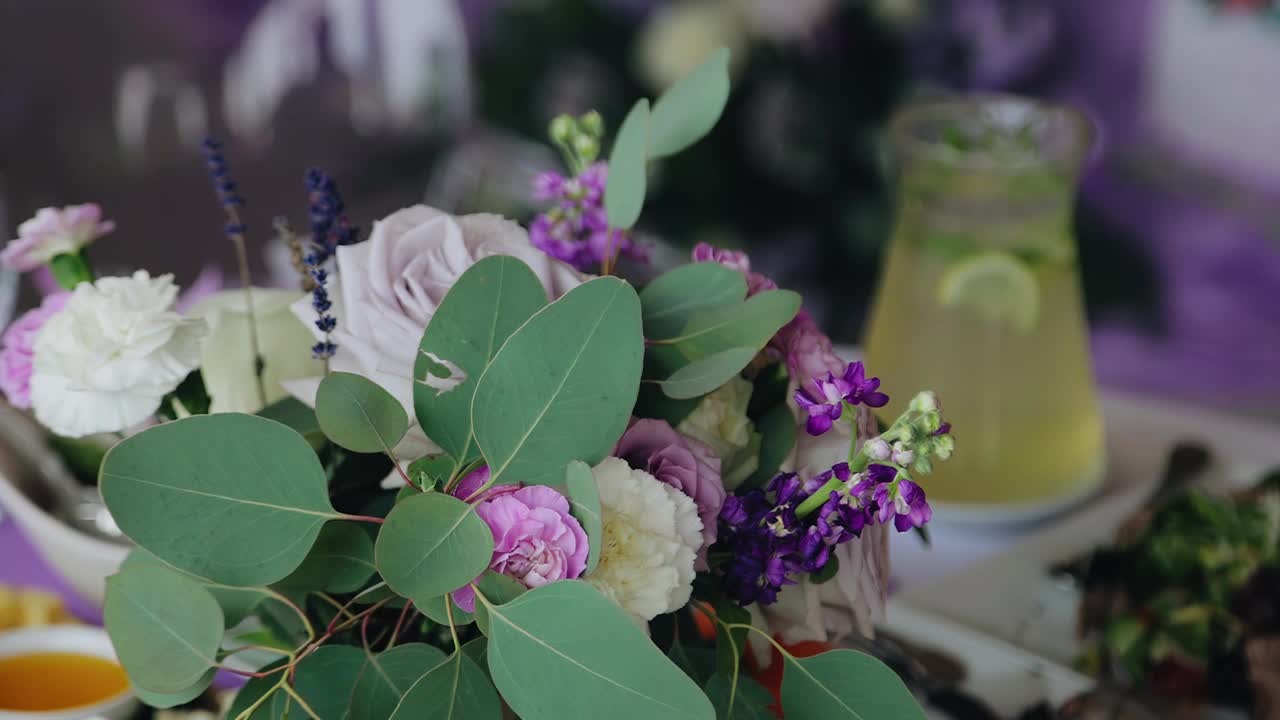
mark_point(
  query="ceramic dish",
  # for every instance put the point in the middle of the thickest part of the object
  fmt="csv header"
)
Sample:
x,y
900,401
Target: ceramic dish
x,y
77,639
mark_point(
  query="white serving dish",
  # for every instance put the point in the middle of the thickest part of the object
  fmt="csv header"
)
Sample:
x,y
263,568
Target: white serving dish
x,y
75,639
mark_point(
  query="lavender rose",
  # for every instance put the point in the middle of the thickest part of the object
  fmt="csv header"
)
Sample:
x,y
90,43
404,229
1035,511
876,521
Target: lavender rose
x,y
386,290
681,462
535,539
20,346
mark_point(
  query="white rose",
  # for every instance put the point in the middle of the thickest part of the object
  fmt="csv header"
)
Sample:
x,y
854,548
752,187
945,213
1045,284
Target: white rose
x,y
720,420
104,363
227,361
649,540
387,288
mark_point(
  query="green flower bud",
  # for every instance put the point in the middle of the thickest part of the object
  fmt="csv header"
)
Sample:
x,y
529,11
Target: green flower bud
x,y
592,124
924,402
562,130
586,147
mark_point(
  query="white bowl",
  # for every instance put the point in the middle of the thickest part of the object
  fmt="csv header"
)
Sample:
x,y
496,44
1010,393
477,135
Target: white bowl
x,y
26,466
68,638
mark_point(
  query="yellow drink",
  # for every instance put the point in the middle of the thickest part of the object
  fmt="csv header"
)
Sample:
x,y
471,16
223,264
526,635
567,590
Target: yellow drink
x,y
980,301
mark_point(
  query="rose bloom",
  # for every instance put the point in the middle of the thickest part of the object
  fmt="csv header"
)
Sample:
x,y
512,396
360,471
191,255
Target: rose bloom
x,y
720,420
681,462
386,289
535,539
650,536
227,364
107,359
54,232
19,348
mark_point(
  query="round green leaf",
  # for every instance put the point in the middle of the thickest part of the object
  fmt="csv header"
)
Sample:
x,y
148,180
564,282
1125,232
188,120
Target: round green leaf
x,y
358,414
270,709
327,678
341,561
169,700
165,627
564,651
777,438
490,301
432,544
584,505
749,324
435,610
234,498
456,689
669,301
689,109
845,684
625,189
702,376
743,699
236,603
387,676
563,386
499,589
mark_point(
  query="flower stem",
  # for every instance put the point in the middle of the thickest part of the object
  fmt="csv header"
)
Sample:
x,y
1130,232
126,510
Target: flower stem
x,y
453,629
306,622
857,463
303,703
242,262
364,518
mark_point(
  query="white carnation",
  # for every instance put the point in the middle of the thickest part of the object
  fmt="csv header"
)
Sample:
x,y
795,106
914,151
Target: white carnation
x,y
651,535
104,363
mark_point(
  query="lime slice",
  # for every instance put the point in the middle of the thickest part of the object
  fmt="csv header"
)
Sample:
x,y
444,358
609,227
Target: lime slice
x,y
995,285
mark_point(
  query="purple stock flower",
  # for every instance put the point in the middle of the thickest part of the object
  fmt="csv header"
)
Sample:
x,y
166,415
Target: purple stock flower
x,y
824,399
576,229
904,501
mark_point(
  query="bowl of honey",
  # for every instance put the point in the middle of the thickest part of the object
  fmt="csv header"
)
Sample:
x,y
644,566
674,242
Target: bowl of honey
x,y
63,672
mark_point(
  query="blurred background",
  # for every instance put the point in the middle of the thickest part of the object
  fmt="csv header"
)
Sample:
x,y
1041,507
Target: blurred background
x,y
1178,218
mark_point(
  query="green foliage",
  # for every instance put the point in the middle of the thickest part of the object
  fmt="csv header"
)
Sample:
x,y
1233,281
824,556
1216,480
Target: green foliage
x,y
845,684
689,109
169,700
748,324
484,307
166,628
668,302
563,386
297,415
326,679
777,438
545,671
387,676
456,689
584,505
432,544
702,376
740,698
432,471
500,590
206,493
435,610
624,192
237,603
341,561
358,414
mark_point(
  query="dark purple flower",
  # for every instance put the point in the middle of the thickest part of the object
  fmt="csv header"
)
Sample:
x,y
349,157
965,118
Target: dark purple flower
x,y
824,399
576,229
904,501
863,391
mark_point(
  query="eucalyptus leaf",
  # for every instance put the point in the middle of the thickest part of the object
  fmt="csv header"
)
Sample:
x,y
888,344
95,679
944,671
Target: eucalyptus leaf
x,y
326,680
563,386
730,644
845,684
254,690
435,610
625,189
478,651
431,471
387,676
358,414
236,603
564,651
740,699
169,700
584,505
689,109
777,438
702,376
208,494
456,689
488,302
341,561
500,590
748,324
166,628
432,544
668,302
296,414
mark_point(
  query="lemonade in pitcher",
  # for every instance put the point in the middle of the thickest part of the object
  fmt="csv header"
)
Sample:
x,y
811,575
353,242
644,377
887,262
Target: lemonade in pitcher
x,y
980,299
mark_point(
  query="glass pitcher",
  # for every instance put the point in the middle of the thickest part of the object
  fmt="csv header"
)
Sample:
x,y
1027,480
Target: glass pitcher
x,y
980,300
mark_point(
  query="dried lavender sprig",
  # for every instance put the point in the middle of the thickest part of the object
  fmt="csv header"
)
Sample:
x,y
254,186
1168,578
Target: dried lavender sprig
x,y
329,229
225,188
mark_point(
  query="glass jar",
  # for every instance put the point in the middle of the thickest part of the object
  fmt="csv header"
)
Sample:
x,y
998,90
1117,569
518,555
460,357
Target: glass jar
x,y
980,300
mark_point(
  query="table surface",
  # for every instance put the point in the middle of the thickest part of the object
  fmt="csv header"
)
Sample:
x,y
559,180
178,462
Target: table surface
x,y
954,546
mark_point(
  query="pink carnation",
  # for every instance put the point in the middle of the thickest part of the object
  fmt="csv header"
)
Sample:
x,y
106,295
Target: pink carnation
x,y
19,343
54,232
535,539
737,260
681,462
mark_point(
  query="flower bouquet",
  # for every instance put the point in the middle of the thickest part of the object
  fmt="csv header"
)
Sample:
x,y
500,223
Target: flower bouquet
x,y
510,485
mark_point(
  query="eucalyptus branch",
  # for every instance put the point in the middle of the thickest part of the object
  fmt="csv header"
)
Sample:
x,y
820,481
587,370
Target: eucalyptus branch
x,y
306,622
453,629
303,703
395,632
248,712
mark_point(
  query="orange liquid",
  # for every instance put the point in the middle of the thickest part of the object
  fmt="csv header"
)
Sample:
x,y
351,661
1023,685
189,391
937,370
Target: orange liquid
x,y
57,681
